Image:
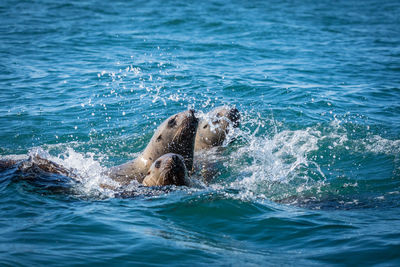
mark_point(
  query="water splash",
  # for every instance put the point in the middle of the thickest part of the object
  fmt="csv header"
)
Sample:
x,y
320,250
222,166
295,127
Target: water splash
x,y
258,161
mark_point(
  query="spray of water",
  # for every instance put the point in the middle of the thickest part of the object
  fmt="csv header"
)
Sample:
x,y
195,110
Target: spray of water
x,y
260,160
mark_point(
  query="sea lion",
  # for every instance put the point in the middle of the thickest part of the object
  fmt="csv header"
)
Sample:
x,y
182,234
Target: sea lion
x,y
168,169
212,130
35,165
41,173
174,135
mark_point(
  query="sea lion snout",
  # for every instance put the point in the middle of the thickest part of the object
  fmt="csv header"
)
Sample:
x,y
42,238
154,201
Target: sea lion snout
x,y
175,158
191,111
190,115
234,117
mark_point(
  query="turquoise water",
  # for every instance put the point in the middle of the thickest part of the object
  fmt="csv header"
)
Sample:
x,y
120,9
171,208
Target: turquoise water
x,y
313,177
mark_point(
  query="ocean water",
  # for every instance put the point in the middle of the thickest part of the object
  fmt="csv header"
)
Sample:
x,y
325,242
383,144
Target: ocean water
x,y
311,178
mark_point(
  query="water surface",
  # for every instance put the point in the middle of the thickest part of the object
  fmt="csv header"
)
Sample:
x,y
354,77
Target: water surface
x,y
314,174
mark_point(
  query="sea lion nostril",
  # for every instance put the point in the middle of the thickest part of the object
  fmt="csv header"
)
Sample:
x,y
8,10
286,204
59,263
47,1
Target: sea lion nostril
x,y
157,164
171,123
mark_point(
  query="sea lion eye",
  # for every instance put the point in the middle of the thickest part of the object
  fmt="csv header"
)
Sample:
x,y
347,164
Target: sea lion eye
x,y
171,123
157,164
148,173
205,126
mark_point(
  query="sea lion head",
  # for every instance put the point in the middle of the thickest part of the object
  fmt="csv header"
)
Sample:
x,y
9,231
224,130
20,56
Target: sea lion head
x,y
168,169
213,129
174,135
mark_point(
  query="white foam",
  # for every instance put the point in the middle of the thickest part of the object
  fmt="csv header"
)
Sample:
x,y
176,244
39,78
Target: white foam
x,y
380,145
272,165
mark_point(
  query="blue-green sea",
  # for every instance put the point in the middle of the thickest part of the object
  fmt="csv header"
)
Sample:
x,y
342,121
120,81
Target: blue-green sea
x,y
311,176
